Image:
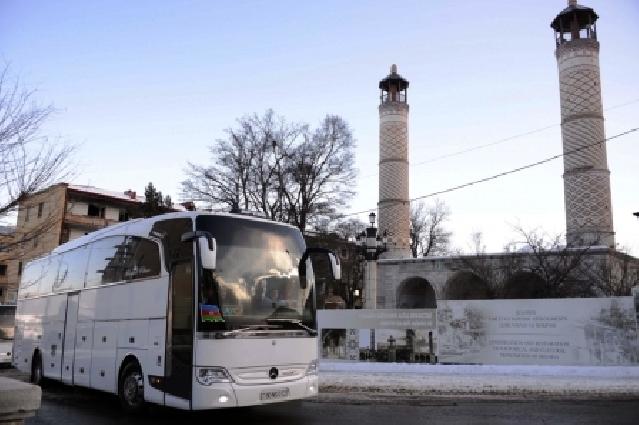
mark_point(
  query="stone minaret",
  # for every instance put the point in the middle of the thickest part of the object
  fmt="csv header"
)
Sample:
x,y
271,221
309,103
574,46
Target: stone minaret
x,y
586,175
394,205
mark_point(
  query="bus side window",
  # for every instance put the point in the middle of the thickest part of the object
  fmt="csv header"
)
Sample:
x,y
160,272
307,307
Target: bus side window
x,y
49,272
38,277
31,276
106,261
143,259
72,269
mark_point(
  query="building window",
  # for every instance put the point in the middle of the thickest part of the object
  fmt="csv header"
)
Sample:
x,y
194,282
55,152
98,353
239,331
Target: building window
x,y
19,268
95,211
40,209
26,216
35,242
124,215
3,269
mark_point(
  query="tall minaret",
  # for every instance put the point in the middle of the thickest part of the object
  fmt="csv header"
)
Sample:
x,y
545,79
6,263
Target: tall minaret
x,y
394,204
586,175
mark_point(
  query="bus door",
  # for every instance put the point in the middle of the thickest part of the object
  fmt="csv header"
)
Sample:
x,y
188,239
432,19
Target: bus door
x,y
178,257
68,344
179,345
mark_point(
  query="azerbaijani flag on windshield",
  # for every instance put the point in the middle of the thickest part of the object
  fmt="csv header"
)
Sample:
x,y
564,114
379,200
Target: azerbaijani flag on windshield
x,y
210,313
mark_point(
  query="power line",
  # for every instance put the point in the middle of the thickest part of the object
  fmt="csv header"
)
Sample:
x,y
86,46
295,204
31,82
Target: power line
x,y
512,171
499,141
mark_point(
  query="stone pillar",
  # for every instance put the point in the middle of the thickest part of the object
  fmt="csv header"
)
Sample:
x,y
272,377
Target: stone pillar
x,y
370,285
586,175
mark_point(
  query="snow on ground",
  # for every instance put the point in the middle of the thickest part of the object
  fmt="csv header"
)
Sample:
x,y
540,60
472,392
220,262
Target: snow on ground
x,y
521,370
436,380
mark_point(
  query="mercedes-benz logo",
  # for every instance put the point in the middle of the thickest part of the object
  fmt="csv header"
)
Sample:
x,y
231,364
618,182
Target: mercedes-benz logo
x,y
273,373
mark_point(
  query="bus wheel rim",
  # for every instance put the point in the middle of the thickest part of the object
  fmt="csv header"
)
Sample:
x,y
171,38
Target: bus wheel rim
x,y
133,389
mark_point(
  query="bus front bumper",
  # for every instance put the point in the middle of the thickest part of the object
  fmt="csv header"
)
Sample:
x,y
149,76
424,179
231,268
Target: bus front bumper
x,y
232,395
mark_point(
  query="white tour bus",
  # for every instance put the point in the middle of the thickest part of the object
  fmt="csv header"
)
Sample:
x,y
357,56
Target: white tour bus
x,y
189,310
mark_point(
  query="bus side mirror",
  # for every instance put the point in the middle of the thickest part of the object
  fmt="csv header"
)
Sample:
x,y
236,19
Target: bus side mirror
x,y
207,247
336,269
207,252
335,266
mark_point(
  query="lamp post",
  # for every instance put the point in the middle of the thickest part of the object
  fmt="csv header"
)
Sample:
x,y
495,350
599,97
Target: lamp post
x,y
371,246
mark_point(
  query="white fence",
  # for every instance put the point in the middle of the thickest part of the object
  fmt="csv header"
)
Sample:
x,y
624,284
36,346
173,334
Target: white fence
x,y
584,331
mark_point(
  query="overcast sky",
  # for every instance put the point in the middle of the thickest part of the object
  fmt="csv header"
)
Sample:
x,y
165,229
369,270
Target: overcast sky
x,y
145,86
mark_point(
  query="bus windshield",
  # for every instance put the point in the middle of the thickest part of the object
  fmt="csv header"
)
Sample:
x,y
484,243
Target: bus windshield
x,y
256,281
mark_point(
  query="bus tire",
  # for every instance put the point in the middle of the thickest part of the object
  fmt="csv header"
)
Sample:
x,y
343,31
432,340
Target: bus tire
x,y
36,369
131,387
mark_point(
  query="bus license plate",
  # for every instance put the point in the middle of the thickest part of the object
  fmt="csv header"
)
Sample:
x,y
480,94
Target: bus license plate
x,y
273,395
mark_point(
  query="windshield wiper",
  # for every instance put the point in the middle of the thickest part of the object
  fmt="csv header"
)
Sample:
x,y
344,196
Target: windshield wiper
x,y
296,322
247,329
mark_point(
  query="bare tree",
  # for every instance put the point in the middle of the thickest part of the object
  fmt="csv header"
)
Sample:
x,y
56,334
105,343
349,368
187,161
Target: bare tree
x,y
350,228
428,235
281,169
477,243
557,264
612,275
225,183
321,173
29,161
543,266
246,169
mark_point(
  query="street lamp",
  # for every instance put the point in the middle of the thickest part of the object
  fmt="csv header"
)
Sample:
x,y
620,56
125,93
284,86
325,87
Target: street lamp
x,y
371,244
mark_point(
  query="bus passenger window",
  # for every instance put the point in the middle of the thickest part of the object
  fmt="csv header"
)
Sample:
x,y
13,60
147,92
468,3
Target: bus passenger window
x,y
73,264
106,261
31,277
142,260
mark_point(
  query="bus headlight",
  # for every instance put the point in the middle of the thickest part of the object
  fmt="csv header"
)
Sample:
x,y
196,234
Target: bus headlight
x,y
212,375
312,368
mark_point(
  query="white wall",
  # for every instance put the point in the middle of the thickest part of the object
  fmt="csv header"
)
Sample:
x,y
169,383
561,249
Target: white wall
x,y
112,213
78,208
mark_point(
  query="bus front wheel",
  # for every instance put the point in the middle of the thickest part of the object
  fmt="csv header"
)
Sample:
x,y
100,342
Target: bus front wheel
x,y
36,369
131,387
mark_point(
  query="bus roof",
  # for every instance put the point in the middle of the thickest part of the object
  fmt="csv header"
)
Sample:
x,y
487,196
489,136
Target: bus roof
x,y
142,227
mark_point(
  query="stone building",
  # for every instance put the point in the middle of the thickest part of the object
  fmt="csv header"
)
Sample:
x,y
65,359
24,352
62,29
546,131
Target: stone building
x,y
56,215
420,282
403,282
6,240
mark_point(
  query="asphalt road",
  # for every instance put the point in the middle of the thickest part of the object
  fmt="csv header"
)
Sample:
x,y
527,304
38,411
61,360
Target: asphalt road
x,y
69,406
